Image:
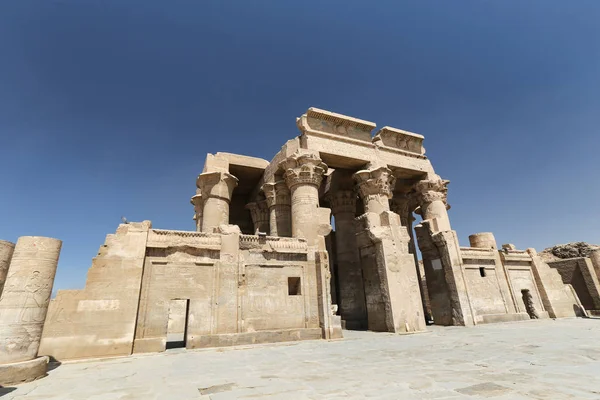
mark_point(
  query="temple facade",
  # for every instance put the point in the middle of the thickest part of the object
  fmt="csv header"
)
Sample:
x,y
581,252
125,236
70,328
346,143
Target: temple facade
x,y
322,238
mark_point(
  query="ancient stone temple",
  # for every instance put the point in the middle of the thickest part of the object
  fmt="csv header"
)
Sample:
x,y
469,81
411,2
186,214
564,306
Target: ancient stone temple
x,y
318,239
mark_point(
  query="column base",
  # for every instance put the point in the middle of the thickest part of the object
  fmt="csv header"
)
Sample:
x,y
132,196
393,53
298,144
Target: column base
x,y
24,371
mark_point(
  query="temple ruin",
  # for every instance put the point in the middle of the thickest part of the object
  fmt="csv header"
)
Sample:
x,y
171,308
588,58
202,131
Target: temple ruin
x,y
264,263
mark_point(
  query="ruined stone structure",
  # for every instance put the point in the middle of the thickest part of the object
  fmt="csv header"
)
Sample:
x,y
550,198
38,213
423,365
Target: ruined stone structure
x,y
263,264
583,275
28,269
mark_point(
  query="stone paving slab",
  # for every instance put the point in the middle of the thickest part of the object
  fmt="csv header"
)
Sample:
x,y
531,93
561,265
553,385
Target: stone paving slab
x,y
542,359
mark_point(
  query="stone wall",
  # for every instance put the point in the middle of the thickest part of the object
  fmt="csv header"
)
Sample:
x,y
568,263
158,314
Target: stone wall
x,y
238,289
99,320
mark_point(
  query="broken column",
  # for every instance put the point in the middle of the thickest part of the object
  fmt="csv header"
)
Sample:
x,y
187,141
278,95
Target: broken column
x,y
442,261
6,252
390,275
23,308
351,296
217,189
280,209
483,240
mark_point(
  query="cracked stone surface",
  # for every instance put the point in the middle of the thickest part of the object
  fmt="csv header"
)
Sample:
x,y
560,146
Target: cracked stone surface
x,y
541,359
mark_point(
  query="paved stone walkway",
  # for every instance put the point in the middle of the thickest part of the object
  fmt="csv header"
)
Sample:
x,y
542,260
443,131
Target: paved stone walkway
x,y
526,360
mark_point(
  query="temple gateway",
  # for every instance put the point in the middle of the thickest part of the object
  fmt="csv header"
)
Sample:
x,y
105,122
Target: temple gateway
x,y
263,263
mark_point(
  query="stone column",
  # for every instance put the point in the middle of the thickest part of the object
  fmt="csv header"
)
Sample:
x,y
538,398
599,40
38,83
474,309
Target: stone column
x,y
431,195
260,215
404,205
351,296
375,187
442,260
217,189
198,204
393,299
483,240
6,252
304,172
23,308
280,209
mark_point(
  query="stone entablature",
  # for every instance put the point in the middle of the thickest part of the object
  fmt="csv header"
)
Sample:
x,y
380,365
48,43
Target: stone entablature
x,y
400,140
318,120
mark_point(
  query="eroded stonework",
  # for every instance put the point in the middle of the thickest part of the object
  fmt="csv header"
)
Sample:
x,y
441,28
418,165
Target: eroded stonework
x,y
263,262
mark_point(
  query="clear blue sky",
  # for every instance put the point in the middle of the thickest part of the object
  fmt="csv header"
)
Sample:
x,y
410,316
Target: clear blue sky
x,y
108,107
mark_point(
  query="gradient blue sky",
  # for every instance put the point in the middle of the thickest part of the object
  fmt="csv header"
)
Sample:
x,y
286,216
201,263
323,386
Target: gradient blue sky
x,y
107,108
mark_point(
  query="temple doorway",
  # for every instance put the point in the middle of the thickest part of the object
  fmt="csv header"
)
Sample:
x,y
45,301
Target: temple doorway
x,y
177,323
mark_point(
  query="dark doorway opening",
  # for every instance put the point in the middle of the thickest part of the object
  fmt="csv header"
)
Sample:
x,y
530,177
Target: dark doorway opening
x,y
177,324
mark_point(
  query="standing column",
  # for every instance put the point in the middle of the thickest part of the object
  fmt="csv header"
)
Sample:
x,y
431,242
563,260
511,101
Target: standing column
x,y
6,252
217,189
23,308
442,260
375,188
351,296
280,210
198,204
260,215
431,195
404,205
303,174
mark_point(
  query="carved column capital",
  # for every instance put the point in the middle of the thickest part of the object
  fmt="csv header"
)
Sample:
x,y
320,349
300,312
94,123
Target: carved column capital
x,y
259,212
342,201
277,193
216,185
197,201
303,168
428,191
377,181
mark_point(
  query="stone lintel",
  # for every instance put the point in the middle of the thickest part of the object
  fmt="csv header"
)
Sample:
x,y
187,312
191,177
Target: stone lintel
x,y
325,123
400,139
340,119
